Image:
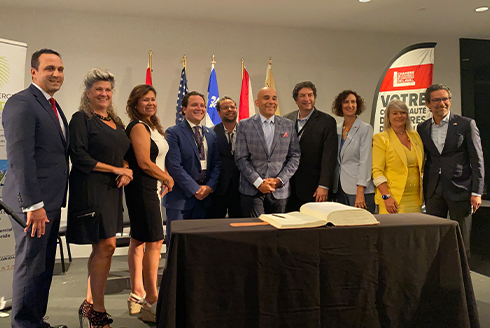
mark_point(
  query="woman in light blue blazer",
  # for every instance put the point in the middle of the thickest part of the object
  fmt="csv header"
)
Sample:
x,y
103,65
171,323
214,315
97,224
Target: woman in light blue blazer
x,y
353,185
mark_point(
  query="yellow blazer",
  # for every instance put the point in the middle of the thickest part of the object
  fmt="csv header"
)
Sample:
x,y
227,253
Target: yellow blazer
x,y
390,162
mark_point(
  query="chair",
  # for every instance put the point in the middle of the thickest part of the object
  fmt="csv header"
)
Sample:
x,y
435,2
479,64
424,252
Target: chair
x,y
62,233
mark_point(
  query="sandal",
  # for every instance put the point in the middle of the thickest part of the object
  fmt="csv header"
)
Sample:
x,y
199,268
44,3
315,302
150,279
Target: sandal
x,y
83,312
99,319
135,303
149,312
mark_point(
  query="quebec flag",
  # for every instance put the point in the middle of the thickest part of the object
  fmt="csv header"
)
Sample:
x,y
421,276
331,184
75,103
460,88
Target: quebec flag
x,y
212,117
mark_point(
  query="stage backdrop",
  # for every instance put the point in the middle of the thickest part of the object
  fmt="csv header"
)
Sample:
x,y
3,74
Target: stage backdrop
x,y
405,77
12,65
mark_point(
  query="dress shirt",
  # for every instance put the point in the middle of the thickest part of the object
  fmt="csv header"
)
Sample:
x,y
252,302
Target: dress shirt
x,y
439,132
231,136
205,144
300,123
269,136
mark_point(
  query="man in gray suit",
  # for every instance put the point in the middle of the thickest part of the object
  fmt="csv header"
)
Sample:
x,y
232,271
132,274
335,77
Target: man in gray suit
x,y
267,154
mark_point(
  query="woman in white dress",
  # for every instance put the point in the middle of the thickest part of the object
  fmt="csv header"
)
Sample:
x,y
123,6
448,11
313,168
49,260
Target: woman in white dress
x,y
146,158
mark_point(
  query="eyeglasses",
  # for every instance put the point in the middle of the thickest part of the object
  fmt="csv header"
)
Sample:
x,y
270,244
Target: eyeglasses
x,y
438,100
228,107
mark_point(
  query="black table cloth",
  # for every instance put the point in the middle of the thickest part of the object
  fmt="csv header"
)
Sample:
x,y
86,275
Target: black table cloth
x,y
409,271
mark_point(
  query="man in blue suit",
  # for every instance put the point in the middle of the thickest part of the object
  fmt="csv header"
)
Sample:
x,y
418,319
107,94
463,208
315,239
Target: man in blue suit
x,y
267,154
193,161
36,132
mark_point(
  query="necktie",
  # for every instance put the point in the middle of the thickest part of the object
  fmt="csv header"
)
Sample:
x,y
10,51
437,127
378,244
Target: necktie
x,y
53,104
230,143
200,147
268,134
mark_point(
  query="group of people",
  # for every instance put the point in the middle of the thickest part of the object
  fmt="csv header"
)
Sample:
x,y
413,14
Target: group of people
x,y
263,164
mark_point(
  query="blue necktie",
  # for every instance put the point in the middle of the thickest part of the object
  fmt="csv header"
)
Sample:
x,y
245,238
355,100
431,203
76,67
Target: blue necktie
x,y
268,134
200,146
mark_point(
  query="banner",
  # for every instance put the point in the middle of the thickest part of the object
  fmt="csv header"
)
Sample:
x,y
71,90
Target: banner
x,y
212,117
12,66
247,106
405,77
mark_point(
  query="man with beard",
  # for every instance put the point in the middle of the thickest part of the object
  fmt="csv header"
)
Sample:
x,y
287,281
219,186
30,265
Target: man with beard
x,y
454,170
226,198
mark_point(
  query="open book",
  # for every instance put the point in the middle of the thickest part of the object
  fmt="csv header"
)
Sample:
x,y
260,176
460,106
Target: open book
x,y
319,214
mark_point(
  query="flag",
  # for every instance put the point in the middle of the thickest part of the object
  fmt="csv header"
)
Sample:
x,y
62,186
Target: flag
x,y
148,74
183,90
269,82
405,77
246,107
212,117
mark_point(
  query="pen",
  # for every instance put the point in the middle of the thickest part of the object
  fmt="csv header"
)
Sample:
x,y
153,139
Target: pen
x,y
279,216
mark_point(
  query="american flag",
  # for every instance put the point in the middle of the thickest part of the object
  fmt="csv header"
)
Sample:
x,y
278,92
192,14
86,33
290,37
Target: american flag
x,y
183,90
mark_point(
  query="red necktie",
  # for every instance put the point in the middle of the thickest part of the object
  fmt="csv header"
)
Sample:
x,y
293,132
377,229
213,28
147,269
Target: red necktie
x,y
53,104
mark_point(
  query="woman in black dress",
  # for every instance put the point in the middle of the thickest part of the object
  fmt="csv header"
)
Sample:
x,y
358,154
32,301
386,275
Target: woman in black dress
x,y
97,148
146,158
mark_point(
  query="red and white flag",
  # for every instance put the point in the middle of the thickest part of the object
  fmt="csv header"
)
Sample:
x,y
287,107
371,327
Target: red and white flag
x,y
246,107
405,77
148,74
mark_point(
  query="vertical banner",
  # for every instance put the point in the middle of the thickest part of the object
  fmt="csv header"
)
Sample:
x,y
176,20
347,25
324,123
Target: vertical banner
x,y
405,77
12,66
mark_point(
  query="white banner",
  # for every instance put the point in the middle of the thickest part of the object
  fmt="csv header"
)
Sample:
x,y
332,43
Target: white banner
x,y
405,77
12,66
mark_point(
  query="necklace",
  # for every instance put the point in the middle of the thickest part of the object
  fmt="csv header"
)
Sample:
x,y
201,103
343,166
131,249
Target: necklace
x,y
346,130
108,118
401,133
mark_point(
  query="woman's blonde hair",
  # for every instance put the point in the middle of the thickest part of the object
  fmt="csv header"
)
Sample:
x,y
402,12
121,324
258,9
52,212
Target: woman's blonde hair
x,y
397,104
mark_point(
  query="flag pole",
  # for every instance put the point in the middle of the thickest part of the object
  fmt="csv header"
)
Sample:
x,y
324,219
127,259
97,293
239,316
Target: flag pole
x,y
150,54
212,61
270,60
242,67
184,61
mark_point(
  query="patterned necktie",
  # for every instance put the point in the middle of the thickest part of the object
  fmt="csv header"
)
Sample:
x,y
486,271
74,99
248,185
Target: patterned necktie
x,y
53,104
268,134
200,147
230,143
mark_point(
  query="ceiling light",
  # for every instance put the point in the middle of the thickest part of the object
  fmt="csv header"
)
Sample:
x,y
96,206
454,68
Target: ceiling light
x,y
364,0
481,9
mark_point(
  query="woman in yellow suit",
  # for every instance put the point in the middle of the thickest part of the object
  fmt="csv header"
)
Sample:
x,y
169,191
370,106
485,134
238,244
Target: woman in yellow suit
x,y
398,155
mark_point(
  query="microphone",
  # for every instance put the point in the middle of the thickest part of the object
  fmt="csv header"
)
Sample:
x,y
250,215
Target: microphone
x,y
14,216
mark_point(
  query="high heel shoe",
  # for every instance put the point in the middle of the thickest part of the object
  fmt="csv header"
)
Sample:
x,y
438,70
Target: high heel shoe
x,y
149,312
135,303
83,312
99,319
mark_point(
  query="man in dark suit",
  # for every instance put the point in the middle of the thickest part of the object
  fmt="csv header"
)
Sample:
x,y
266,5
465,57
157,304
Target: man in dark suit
x,y
454,170
226,198
193,161
267,155
36,132
317,134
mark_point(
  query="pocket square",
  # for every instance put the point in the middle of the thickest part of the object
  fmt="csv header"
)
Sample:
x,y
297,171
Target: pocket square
x,y
285,134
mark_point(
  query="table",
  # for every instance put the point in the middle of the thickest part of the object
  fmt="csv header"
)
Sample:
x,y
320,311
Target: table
x,y
409,271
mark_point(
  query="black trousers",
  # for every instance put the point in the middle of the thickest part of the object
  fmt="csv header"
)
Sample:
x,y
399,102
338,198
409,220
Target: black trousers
x,y
33,271
227,203
254,206
439,205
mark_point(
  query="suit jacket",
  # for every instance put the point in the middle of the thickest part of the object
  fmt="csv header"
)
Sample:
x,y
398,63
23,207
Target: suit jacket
x,y
460,163
229,175
37,152
318,154
184,166
355,159
390,162
253,159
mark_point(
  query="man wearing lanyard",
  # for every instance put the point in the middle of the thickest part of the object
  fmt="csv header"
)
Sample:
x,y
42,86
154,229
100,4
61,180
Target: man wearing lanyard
x,y
454,169
36,132
317,133
193,161
267,155
226,198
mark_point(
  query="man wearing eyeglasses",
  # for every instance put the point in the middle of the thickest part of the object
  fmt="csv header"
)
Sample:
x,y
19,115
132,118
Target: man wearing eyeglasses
x,y
454,169
226,198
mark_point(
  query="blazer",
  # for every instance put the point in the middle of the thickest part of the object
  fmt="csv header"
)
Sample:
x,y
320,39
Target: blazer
x,y
461,162
253,160
355,159
184,166
319,146
390,162
229,175
37,152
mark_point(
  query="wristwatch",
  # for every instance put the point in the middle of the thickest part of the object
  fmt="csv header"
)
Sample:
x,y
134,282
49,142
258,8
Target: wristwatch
x,y
385,197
